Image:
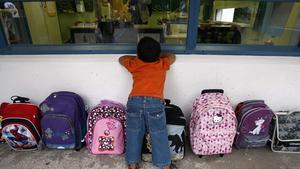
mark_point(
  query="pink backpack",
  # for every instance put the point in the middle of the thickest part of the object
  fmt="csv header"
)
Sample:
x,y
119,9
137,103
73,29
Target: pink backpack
x,y
212,124
106,128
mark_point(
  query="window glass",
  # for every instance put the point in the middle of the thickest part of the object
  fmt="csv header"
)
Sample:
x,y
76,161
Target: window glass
x,y
249,22
93,21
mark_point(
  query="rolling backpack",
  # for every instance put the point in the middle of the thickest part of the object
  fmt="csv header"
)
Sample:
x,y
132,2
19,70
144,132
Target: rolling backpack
x,y
63,120
21,124
212,124
254,120
176,123
106,128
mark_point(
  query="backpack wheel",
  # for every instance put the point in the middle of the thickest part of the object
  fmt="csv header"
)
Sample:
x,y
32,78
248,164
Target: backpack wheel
x,y
221,155
200,156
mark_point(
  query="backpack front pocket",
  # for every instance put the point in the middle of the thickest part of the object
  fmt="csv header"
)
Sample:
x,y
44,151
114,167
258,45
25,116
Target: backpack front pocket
x,y
19,137
58,131
108,137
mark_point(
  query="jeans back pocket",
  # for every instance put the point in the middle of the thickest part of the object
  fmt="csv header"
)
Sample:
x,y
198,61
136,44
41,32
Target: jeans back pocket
x,y
157,119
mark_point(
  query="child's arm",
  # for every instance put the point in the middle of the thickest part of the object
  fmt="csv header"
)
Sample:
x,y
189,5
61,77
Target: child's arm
x,y
122,58
170,55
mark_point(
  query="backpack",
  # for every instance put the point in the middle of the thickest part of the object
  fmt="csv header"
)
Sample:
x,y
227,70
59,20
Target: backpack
x,y
63,120
212,124
176,123
106,128
254,119
21,124
286,134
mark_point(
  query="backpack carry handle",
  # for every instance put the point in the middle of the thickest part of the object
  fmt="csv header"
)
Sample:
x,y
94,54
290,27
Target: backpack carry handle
x,y
19,99
112,103
253,101
212,91
167,101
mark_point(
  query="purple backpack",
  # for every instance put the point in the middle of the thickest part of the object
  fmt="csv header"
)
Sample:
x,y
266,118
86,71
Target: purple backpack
x,y
63,120
254,119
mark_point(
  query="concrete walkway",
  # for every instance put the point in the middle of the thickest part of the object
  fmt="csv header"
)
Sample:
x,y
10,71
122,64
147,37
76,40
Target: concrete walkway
x,y
261,158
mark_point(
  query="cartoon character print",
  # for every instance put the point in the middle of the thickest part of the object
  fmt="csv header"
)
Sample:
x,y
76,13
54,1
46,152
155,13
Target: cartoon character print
x,y
177,141
18,136
259,125
111,125
217,119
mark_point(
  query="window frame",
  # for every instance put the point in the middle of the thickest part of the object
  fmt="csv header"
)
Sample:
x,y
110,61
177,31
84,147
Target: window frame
x,y
191,47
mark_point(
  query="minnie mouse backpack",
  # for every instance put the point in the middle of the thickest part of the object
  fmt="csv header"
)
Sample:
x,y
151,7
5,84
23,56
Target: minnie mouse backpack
x,y
21,127
212,124
106,128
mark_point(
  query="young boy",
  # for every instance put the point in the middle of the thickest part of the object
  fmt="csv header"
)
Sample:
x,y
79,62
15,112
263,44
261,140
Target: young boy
x,y
145,106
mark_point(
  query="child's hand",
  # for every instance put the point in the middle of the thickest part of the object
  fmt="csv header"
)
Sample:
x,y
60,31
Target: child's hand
x,y
166,54
170,55
122,58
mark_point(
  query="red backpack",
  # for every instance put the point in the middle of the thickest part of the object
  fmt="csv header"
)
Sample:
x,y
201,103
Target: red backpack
x,y
21,124
2,140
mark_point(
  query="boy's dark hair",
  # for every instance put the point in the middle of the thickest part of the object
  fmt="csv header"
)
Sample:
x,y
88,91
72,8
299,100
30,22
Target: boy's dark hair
x,y
148,49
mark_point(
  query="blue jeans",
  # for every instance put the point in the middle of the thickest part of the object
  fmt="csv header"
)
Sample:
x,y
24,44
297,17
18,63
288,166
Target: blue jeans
x,y
146,114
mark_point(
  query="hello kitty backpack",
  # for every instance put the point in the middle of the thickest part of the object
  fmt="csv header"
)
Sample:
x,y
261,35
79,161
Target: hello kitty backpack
x,y
106,128
212,124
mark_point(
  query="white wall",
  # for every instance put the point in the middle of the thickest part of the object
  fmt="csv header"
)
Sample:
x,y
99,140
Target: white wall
x,y
96,77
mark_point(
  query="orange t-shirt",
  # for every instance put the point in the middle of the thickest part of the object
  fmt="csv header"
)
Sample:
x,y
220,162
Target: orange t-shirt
x,y
148,78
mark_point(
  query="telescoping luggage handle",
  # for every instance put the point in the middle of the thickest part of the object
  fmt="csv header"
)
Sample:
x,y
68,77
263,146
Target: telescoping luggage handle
x,y
212,91
19,99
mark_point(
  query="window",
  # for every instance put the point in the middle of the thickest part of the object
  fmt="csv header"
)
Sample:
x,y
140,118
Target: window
x,y
94,21
249,22
251,27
